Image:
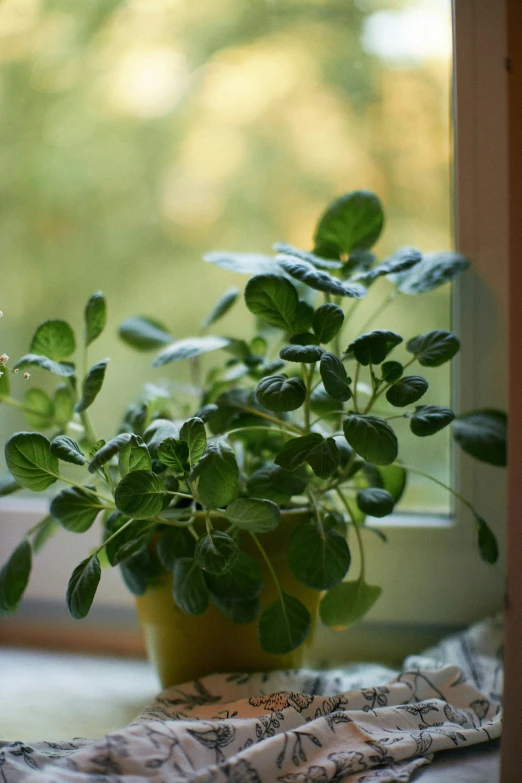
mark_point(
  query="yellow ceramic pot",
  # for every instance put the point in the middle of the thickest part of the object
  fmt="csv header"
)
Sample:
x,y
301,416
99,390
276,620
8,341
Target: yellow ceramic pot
x,y
186,647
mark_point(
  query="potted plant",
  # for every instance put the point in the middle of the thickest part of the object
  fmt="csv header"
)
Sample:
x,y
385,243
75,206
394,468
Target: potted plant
x,y
230,523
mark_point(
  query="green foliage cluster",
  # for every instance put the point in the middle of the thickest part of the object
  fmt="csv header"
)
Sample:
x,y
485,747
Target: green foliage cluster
x,y
298,419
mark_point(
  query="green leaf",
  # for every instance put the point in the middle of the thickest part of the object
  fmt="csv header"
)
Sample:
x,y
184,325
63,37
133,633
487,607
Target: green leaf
x,y
335,380
8,485
189,349
280,393
272,298
253,514
39,408
318,560
434,348
328,320
134,455
353,221
243,263
33,360
394,479
304,338
319,280
346,603
54,339
14,577
304,315
483,435
358,261
67,450
216,552
107,451
174,543
375,502
189,586
407,391
244,580
222,306
63,402
129,542
324,458
374,347
45,530
429,419
175,454
274,483
92,385
216,475
237,611
434,270
194,435
284,625
391,371
144,333
30,462
404,258
82,587
372,438
305,255
95,316
75,509
295,452
156,433
4,383
322,404
307,354
139,494
487,543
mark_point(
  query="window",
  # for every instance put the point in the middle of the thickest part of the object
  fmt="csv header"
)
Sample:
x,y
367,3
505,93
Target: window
x,y
136,136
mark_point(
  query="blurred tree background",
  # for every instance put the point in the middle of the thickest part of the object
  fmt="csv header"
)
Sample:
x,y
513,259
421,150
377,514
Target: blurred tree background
x,y
137,134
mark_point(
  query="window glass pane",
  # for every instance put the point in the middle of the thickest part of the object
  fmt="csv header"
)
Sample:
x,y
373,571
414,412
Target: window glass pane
x,y
136,135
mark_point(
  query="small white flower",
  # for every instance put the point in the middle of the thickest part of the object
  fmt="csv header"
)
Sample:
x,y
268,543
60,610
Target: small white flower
x,y
27,375
4,358
1,314
16,371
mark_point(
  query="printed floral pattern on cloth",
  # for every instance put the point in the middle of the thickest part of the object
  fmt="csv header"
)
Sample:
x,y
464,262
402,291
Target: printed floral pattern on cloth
x,y
346,726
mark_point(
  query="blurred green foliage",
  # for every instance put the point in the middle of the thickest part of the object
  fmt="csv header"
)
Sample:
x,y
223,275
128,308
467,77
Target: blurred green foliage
x,y
134,136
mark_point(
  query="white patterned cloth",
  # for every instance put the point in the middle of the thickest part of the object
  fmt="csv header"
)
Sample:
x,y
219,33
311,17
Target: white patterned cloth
x,y
355,725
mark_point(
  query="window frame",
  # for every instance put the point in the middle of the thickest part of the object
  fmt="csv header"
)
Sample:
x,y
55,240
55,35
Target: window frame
x,y
430,572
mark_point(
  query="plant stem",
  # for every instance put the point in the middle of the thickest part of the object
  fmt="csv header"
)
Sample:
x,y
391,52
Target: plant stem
x,y
270,568
357,532
111,537
382,307
266,416
259,427
355,382
441,484
317,512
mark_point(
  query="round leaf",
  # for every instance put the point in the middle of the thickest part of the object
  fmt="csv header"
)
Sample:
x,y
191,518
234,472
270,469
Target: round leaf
x,y
284,625
38,408
434,348
189,586
375,502
374,347
134,456
139,494
429,419
306,354
391,371
318,280
296,451
216,475
324,458
253,514
241,582
67,450
30,462
14,577
172,544
280,393
272,298
106,451
175,454
407,391
346,603
194,435
434,270
82,587
483,435
237,611
328,320
95,317
335,380
54,339
372,438
274,483
144,333
353,221
75,509
216,552
318,560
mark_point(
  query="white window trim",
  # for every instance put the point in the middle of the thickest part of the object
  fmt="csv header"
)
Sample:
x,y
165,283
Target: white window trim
x,y
431,574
